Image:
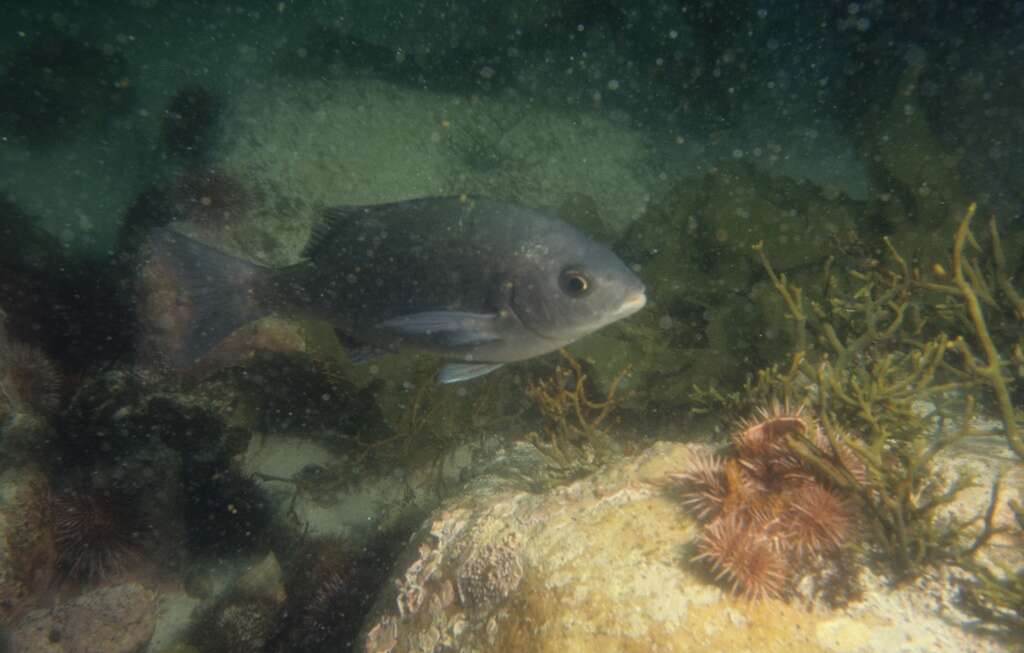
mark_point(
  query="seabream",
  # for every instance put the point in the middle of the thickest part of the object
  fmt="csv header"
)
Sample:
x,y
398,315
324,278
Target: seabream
x,y
480,282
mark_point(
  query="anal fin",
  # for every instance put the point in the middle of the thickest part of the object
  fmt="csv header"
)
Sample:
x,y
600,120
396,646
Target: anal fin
x,y
458,372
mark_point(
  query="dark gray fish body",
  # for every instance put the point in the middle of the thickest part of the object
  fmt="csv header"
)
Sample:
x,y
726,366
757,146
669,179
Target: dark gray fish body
x,y
479,281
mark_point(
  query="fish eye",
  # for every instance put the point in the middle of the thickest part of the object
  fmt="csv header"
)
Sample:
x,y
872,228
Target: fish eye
x,y
574,283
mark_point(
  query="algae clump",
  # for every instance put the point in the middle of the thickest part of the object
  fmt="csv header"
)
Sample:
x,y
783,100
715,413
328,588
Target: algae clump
x,y
903,357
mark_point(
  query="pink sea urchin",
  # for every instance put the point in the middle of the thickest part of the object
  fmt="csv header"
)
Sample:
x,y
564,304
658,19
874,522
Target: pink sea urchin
x,y
817,519
764,509
744,557
703,484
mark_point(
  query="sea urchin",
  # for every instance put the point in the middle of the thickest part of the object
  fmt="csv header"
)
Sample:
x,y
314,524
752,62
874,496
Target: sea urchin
x,y
764,509
95,535
29,382
744,557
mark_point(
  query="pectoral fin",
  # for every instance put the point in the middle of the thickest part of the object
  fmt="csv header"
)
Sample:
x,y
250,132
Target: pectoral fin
x,y
456,372
445,328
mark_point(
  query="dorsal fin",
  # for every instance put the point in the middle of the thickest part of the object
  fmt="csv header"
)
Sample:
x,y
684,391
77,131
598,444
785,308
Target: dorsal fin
x,y
332,220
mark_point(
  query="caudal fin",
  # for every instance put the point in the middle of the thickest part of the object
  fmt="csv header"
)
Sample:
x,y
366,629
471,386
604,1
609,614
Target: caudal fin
x,y
195,296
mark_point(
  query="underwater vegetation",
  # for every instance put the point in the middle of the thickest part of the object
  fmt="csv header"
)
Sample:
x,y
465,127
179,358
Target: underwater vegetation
x,y
432,421
571,435
767,515
903,355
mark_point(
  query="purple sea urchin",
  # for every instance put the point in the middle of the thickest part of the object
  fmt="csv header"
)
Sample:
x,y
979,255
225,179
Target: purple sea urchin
x,y
29,382
95,535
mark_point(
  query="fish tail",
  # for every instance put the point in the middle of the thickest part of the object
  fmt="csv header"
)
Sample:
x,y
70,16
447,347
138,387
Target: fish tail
x,y
205,296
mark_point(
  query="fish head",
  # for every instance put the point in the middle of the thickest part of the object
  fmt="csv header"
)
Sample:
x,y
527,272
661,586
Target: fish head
x,y
567,285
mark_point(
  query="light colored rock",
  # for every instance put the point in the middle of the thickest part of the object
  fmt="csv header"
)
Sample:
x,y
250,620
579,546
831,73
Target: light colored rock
x,y
604,564
117,619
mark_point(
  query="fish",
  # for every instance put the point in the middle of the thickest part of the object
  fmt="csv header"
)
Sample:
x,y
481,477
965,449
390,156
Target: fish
x,y
479,282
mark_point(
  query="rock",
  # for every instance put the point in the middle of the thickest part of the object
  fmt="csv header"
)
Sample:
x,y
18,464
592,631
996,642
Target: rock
x,y
263,580
604,564
117,619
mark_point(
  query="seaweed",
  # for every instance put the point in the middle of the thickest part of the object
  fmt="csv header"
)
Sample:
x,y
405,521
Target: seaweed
x,y
996,597
903,359
437,419
571,435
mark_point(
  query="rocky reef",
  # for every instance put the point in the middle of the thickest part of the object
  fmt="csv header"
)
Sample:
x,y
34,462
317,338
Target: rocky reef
x,y
606,564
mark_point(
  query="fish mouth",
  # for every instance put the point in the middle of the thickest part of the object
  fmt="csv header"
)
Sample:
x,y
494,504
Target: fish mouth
x,y
634,303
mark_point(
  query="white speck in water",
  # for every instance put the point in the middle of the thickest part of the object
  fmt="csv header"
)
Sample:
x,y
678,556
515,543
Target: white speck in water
x,y
613,85
672,33
487,72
